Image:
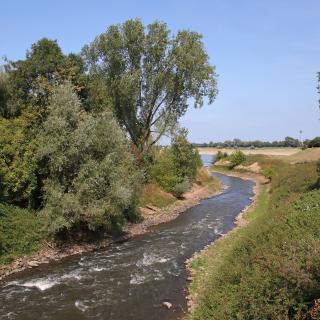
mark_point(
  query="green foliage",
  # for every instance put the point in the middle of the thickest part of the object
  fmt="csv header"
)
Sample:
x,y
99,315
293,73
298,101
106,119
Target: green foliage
x,y
18,164
270,268
92,179
150,75
220,155
237,158
181,188
177,166
164,171
314,143
4,94
31,81
187,158
21,232
268,172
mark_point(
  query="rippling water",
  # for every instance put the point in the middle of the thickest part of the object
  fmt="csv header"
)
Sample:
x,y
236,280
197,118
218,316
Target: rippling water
x,y
129,280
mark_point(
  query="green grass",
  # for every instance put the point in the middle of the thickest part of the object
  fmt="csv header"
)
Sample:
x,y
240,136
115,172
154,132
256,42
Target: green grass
x,y
261,207
270,268
21,232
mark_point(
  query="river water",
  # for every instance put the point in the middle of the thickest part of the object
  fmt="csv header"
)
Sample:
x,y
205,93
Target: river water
x,y
130,280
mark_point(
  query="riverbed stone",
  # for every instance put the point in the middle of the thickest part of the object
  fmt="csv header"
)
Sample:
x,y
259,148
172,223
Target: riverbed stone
x,y
167,305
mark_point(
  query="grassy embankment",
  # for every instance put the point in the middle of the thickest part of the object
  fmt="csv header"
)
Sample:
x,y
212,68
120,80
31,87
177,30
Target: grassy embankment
x,y
153,195
22,232
269,269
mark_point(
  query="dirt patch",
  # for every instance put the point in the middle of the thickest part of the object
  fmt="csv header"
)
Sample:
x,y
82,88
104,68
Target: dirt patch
x,y
254,167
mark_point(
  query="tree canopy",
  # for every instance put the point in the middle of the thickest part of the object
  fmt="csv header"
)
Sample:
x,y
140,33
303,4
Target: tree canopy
x,y
150,75
73,126
31,81
92,179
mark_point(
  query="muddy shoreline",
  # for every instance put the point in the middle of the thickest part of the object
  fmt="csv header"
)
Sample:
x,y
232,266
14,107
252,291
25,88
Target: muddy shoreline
x,y
240,221
53,252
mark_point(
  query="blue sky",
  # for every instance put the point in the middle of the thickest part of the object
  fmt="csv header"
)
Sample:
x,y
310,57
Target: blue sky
x,y
266,53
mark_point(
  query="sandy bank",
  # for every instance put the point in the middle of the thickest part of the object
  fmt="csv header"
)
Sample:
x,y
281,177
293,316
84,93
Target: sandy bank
x,y
247,151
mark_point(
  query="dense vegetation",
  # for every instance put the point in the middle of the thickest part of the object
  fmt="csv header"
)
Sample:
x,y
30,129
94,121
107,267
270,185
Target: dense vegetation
x,y
269,269
314,143
79,131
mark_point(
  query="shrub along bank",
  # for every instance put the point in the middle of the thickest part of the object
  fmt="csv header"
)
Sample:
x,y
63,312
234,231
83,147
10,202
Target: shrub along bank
x,y
270,268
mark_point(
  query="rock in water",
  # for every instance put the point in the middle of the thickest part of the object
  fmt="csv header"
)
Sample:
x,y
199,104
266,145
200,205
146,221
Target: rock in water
x,y
167,304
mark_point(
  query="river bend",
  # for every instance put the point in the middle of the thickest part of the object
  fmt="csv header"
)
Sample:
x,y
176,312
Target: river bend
x,y
129,280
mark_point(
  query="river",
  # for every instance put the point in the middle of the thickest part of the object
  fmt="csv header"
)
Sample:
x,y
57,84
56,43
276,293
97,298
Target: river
x,y
129,280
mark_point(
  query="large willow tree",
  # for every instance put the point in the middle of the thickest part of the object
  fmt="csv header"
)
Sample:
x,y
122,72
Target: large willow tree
x,y
150,75
92,179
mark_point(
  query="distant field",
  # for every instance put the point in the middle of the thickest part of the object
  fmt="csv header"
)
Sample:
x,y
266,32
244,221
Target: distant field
x,y
265,151
312,154
292,155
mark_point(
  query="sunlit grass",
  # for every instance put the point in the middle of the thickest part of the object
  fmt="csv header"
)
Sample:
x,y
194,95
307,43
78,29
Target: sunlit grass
x,y
269,268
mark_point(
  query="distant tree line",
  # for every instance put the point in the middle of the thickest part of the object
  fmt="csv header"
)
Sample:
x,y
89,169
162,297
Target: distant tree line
x,y
237,143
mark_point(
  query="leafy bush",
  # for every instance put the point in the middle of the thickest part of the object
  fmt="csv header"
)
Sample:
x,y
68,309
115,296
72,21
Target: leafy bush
x,y
220,155
164,171
92,178
180,188
314,143
186,157
268,172
21,232
17,161
175,165
237,158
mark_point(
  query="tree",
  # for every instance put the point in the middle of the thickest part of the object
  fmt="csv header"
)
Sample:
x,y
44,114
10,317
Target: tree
x,y
3,93
176,167
314,143
18,165
187,159
237,158
31,81
150,76
291,142
92,179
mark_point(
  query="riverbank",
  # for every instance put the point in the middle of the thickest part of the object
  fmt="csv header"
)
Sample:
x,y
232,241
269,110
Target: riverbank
x,y
261,186
269,267
53,251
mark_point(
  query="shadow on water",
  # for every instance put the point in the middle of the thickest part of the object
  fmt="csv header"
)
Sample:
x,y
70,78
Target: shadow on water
x,y
129,280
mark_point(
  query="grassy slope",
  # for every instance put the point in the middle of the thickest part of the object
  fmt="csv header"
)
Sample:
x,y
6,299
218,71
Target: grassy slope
x,y
312,154
153,195
204,178
270,268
